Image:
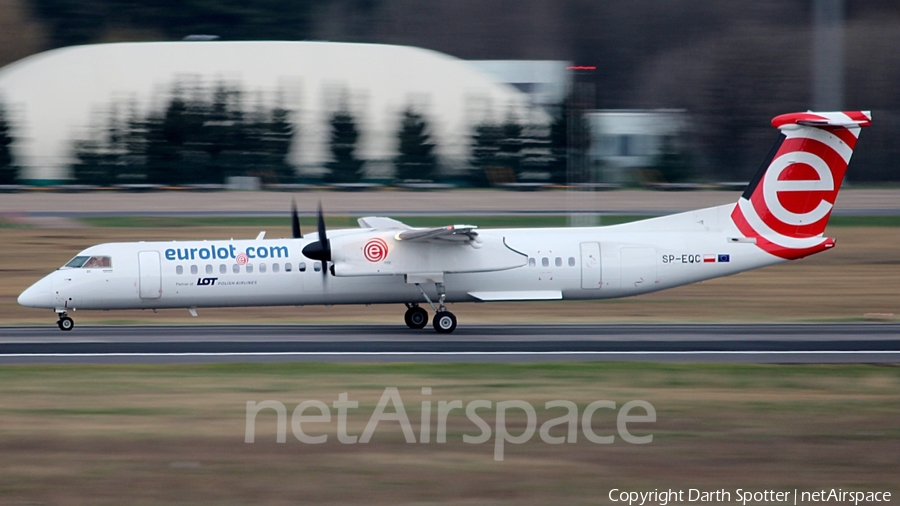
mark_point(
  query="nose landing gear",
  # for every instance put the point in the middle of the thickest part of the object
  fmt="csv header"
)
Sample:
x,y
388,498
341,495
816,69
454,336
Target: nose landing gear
x,y
65,323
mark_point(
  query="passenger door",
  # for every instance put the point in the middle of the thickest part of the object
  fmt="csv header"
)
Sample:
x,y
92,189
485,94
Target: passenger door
x,y
150,277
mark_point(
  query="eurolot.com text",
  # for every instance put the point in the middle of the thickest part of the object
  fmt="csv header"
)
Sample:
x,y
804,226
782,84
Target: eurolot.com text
x,y
307,417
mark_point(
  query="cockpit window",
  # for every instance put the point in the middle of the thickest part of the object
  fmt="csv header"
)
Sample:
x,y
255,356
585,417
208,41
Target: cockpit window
x,y
77,262
85,262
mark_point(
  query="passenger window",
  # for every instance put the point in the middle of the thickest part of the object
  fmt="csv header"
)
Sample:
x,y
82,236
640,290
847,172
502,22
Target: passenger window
x,y
275,268
235,268
223,268
249,268
301,267
287,267
193,269
531,262
545,262
317,266
179,269
262,267
558,262
571,261
209,268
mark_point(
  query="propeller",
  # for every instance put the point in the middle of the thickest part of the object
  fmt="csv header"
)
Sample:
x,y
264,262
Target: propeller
x,y
295,221
320,250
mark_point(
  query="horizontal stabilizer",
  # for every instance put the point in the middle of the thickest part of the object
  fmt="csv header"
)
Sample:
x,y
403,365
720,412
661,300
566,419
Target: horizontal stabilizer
x,y
850,119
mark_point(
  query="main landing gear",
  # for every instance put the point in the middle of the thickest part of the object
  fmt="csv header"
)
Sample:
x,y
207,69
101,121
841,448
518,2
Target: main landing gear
x,y
65,323
416,317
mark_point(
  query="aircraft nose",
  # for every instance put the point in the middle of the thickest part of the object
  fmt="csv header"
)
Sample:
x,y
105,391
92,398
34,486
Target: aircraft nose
x,y
37,295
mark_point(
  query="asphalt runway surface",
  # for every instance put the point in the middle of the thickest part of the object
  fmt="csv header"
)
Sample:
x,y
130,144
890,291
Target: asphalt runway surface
x,y
748,343
38,204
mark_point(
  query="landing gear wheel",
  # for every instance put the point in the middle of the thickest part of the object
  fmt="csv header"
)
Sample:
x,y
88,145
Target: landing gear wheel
x,y
65,323
444,322
416,318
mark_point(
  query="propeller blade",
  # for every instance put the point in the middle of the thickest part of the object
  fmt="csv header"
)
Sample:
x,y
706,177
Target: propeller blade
x,y
320,250
295,221
321,224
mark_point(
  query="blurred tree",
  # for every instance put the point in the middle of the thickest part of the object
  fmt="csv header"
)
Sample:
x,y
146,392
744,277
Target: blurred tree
x,y
96,163
101,160
277,138
211,138
416,160
261,145
536,155
510,145
485,147
673,161
511,151
72,22
85,21
344,167
220,133
93,165
569,137
9,173
559,142
166,136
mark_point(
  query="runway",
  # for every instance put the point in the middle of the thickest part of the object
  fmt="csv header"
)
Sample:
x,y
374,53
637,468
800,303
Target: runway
x,y
753,343
865,201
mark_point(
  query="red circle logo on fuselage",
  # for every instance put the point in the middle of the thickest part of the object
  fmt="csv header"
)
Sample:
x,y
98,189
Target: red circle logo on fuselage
x,y
375,250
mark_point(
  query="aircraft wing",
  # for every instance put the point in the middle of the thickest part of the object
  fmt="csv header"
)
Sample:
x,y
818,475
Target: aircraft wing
x,y
410,234
383,223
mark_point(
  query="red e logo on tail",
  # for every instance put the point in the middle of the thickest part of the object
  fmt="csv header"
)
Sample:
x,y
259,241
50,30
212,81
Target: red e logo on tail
x,y
798,190
787,205
787,184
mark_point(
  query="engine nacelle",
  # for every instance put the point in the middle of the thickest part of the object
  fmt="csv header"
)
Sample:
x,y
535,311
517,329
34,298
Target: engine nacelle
x,y
381,253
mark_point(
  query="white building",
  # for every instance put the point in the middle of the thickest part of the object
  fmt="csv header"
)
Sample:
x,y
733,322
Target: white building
x,y
56,96
546,82
625,140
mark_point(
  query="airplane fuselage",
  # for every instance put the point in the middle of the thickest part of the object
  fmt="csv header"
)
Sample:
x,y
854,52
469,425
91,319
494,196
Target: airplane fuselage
x,y
559,263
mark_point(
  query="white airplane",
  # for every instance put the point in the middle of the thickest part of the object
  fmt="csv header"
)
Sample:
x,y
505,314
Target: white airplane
x,y
781,216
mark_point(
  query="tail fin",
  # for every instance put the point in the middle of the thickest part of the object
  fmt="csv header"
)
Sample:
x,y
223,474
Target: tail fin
x,y
788,203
